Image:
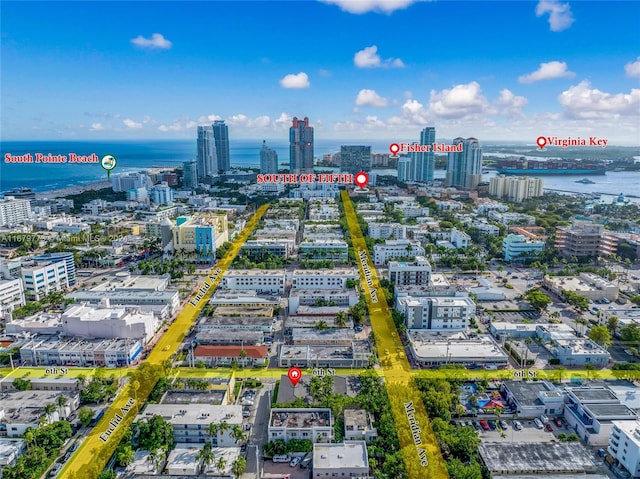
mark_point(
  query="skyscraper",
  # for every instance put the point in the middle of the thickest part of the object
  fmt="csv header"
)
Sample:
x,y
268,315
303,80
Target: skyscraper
x,y
301,146
464,169
190,174
206,158
423,163
355,158
268,159
221,135
404,169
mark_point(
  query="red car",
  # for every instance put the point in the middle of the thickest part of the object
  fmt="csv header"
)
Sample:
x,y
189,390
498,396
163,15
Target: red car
x,y
548,427
484,424
558,421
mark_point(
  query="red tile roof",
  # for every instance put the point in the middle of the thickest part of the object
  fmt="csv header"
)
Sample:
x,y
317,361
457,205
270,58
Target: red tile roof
x,y
254,352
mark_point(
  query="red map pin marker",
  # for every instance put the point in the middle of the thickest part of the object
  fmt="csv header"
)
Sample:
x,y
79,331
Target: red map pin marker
x,y
361,179
541,141
294,375
394,148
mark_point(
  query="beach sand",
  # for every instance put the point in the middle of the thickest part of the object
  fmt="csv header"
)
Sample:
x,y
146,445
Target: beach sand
x,y
73,190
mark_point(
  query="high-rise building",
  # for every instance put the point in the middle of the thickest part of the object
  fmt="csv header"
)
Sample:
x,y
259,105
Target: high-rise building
x,y
162,194
464,169
404,169
516,188
221,135
14,212
584,239
424,163
301,146
190,174
355,158
128,181
207,157
268,159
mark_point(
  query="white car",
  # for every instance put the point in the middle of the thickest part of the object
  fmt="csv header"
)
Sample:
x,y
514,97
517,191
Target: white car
x,y
295,461
538,423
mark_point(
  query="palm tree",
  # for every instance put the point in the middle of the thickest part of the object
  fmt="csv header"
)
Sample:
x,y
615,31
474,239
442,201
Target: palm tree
x,y
221,464
62,402
239,467
49,409
206,455
342,319
243,356
213,429
238,434
158,456
30,437
224,426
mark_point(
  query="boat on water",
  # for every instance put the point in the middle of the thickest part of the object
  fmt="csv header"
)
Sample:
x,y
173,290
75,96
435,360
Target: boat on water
x,y
586,181
525,166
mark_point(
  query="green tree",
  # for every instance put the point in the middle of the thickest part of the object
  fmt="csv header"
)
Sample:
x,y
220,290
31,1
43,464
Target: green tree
x,y
22,384
342,319
538,299
206,455
221,464
238,434
49,409
601,335
125,455
630,334
239,467
85,415
612,325
107,474
155,433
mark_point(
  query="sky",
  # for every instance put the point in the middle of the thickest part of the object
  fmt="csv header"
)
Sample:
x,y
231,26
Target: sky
x,y
359,69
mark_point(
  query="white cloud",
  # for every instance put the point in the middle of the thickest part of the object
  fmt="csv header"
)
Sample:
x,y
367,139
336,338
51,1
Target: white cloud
x,y
96,127
157,41
207,119
511,105
284,120
633,68
369,58
364,6
582,101
560,17
547,71
462,101
324,73
368,97
301,80
133,125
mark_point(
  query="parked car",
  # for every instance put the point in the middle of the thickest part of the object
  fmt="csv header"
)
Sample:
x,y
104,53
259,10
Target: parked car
x,y
295,461
476,425
548,427
484,424
516,425
503,425
492,424
538,423
558,421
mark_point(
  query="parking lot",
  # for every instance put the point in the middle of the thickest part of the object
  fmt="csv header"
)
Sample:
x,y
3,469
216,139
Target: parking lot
x,y
528,433
280,470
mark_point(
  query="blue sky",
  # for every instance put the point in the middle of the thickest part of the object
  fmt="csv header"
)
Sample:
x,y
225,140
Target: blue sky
x,y
358,69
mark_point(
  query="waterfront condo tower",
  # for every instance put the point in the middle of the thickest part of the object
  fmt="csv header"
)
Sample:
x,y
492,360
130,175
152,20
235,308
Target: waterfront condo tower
x,y
268,159
423,163
221,135
206,158
301,146
464,168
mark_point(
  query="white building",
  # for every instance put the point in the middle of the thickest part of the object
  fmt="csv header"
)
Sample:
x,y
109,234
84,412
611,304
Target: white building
x,y
516,188
315,424
430,348
129,181
321,297
43,277
190,423
11,295
437,312
459,239
201,234
183,461
624,445
358,426
323,278
574,351
509,219
387,230
10,451
331,250
14,212
350,458
261,281
415,273
519,247
85,321
590,412
162,194
382,253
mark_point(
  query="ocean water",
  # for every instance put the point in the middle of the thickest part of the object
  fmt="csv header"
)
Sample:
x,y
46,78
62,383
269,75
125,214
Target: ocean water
x,y
135,155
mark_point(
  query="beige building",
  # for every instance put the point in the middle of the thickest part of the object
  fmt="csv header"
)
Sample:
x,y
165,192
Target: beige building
x,y
584,239
516,188
589,285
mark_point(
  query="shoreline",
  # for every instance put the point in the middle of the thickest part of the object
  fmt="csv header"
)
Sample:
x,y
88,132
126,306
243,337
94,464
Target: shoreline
x,y
72,190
